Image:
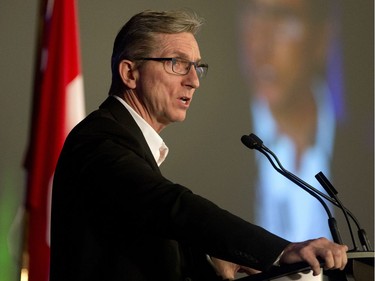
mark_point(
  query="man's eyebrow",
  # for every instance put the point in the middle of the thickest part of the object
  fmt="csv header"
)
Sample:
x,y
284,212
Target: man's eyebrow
x,y
184,56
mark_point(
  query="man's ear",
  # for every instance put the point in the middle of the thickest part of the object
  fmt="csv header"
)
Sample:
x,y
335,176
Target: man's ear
x,y
127,71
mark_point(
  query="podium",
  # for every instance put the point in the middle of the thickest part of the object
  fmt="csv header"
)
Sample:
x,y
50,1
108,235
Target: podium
x,y
360,267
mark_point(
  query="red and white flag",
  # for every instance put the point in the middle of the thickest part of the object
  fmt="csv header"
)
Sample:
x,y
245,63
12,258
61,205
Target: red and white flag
x,y
58,105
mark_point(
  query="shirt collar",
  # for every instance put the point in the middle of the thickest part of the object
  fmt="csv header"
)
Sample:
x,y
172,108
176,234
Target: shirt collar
x,y
156,144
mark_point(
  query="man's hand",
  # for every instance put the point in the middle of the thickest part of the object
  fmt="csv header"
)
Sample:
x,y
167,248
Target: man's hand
x,y
228,270
333,255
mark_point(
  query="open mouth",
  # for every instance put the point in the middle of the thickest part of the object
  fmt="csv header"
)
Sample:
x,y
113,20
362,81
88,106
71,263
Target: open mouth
x,y
184,100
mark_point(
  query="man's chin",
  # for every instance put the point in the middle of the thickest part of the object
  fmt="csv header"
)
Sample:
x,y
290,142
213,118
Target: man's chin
x,y
180,118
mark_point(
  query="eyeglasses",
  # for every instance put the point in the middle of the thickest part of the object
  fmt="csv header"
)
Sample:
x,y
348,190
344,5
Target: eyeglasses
x,y
181,66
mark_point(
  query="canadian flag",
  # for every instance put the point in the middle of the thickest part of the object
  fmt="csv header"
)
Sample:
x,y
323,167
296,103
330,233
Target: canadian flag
x,y
58,105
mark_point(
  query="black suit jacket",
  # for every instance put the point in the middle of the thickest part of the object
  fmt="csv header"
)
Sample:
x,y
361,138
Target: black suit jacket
x,y
115,217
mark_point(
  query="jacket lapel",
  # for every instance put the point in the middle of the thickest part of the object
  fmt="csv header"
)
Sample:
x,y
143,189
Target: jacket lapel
x,y
124,118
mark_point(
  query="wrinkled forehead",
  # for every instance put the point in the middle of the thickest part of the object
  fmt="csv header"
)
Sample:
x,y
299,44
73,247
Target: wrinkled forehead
x,y
183,45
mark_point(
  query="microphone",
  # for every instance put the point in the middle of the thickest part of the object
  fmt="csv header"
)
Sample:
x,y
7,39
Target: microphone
x,y
251,141
254,142
331,191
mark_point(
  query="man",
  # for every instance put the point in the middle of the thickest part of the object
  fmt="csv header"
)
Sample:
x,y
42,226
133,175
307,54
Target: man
x,y
285,52
114,216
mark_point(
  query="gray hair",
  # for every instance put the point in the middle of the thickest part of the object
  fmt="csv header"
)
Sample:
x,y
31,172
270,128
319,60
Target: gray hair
x,y
136,38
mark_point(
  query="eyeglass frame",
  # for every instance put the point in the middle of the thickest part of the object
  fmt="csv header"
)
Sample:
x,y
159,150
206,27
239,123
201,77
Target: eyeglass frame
x,y
202,66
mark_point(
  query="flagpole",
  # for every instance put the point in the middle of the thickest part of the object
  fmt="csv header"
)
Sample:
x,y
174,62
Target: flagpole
x,y
24,267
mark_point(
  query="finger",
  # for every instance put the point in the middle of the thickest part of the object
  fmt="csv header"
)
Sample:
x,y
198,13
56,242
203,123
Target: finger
x,y
329,260
345,258
315,266
334,256
226,270
340,257
310,255
248,270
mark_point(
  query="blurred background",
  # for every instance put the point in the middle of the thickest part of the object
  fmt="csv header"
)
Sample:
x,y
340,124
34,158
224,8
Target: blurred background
x,y
300,76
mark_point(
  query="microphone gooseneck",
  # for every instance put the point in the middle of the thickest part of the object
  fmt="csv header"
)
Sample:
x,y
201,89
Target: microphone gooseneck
x,y
331,191
254,142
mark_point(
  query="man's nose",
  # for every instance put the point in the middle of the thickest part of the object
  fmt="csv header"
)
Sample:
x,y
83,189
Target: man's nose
x,y
192,78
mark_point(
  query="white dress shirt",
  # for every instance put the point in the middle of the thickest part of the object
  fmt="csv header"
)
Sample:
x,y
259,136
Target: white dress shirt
x,y
155,142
